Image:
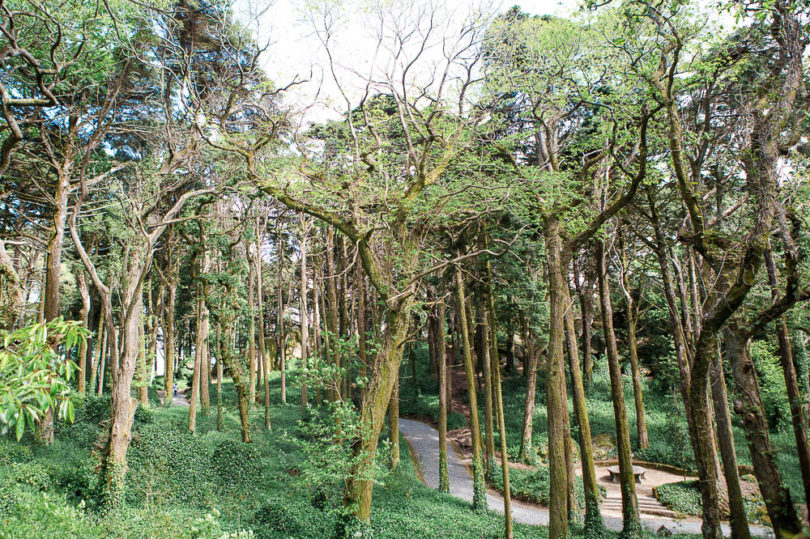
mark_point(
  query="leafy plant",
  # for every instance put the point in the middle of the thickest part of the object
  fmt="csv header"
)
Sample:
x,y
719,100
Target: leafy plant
x,y
34,373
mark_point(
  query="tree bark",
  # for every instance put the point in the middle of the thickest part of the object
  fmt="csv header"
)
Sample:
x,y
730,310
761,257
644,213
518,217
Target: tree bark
x,y
555,383
84,291
281,337
631,522
489,325
749,407
195,376
444,481
252,358
393,425
486,367
594,524
479,502
169,344
728,454
797,416
526,452
305,315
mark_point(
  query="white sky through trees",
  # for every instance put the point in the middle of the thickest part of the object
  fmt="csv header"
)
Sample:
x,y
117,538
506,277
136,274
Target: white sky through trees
x,y
296,50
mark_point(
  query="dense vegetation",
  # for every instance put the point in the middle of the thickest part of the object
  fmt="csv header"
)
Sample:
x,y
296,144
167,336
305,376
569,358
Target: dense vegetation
x,y
564,242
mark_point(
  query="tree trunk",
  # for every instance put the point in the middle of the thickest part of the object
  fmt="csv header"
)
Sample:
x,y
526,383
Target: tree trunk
x,y
584,287
641,422
332,310
703,438
555,384
102,360
725,436
479,485
631,522
281,337
123,406
169,345
142,375
797,416
242,390
97,350
304,315
749,407
444,481
84,317
489,315
486,361
594,525
393,425
263,356
220,374
252,360
358,492
195,376
526,453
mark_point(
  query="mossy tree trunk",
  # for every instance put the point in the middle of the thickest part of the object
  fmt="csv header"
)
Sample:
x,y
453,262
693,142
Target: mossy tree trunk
x,y
631,523
728,454
441,356
491,327
479,502
594,524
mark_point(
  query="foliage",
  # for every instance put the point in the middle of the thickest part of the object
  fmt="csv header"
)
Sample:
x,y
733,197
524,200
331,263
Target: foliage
x,y
532,484
327,441
771,384
236,463
35,371
681,497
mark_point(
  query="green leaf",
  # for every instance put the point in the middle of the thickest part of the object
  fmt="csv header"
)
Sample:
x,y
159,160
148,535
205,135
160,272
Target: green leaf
x,y
20,428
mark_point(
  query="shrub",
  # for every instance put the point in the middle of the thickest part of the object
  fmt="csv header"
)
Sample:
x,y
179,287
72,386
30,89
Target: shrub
x,y
533,485
95,409
32,474
771,384
288,517
683,497
236,463
14,452
168,463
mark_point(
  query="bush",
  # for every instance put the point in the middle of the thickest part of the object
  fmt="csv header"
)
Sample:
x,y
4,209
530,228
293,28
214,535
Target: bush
x,y
683,497
236,463
95,409
425,405
289,517
771,384
14,452
32,474
533,485
168,463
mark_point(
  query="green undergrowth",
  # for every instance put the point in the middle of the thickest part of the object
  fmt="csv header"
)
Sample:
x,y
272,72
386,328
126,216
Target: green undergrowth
x,y
533,485
684,498
210,485
665,416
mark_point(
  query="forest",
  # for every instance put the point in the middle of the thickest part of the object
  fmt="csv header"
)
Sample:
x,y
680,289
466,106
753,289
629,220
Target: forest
x,y
478,271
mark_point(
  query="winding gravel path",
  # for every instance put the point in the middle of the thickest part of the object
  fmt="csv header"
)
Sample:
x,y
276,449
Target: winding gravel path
x,y
424,441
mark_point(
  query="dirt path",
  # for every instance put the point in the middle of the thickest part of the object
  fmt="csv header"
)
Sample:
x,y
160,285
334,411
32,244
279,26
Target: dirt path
x,y
424,441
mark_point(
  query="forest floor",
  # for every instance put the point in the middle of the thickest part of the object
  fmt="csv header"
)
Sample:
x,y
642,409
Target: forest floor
x,y
424,441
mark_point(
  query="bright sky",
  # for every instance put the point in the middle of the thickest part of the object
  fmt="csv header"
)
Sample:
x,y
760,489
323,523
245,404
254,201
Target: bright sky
x,y
296,51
